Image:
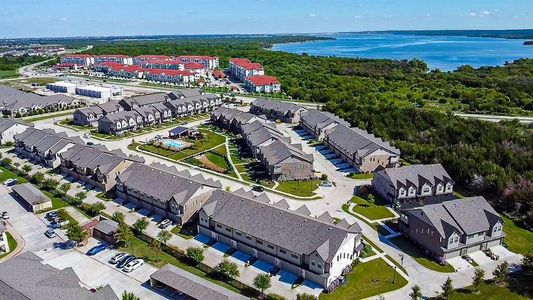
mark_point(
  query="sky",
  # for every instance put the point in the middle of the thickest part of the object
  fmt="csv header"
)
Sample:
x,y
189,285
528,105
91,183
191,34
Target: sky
x,y
60,18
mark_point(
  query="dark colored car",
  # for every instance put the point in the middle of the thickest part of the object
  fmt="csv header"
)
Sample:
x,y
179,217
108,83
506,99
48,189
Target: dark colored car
x,y
258,188
96,249
125,261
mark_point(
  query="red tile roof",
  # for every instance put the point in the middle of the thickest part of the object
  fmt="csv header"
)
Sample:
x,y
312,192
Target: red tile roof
x,y
78,55
245,63
194,66
113,56
153,57
168,72
262,80
204,57
165,62
219,74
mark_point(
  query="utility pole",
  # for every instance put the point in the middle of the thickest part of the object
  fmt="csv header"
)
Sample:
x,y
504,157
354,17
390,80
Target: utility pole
x,y
394,276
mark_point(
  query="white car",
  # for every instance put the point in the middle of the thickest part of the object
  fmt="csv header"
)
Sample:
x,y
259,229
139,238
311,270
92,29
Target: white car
x,y
326,184
115,259
133,265
165,223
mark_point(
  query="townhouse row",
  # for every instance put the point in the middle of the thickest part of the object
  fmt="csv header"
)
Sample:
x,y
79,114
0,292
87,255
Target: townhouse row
x,y
281,159
17,103
167,75
137,112
312,248
148,61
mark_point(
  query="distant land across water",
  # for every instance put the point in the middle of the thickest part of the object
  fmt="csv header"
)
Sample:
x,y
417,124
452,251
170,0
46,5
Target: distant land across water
x,y
445,50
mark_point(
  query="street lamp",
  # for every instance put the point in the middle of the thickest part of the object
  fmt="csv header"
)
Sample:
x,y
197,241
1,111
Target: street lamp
x,y
394,276
401,257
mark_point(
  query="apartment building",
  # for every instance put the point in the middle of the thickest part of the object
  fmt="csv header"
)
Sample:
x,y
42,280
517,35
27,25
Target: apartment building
x,y
134,102
453,228
209,62
123,71
98,167
44,146
11,127
120,122
171,76
14,102
241,68
316,122
416,183
305,246
278,110
138,60
165,191
262,84
114,58
81,60
193,105
170,64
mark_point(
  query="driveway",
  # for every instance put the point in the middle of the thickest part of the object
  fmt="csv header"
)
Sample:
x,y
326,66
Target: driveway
x,y
458,263
480,258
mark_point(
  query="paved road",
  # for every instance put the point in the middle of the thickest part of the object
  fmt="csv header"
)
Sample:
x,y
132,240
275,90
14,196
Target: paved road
x,y
496,118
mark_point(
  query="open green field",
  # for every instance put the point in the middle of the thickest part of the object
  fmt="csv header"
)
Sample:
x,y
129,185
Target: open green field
x,y
361,175
371,210
518,239
12,244
6,174
47,116
411,250
8,74
367,279
299,188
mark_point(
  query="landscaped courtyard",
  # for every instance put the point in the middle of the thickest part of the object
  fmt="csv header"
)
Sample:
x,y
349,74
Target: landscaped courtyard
x,y
372,211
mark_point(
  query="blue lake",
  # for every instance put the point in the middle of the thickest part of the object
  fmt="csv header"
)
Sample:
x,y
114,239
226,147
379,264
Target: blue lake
x,y
442,52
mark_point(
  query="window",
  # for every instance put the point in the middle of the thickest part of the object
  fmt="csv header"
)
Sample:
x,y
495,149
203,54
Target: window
x,y
218,226
319,265
313,263
270,246
282,251
260,243
294,256
248,237
238,233
228,229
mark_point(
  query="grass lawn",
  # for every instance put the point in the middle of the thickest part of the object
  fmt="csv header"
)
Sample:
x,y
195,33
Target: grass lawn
x,y
486,292
56,202
412,250
396,263
369,242
6,174
187,232
299,188
361,175
210,140
518,239
346,209
9,74
47,116
367,279
40,81
370,210
11,242
218,160
141,249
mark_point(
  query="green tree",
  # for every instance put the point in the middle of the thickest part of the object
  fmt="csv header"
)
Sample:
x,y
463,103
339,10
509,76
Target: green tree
x,y
415,294
76,233
140,225
81,196
262,282
129,296
37,177
163,236
96,208
500,273
447,288
371,199
195,254
305,296
227,269
118,217
26,168
64,188
124,235
479,277
6,161
50,183
155,246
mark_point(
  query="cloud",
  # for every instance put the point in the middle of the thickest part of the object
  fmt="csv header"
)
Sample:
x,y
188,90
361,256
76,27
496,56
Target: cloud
x,y
481,14
312,15
63,19
357,17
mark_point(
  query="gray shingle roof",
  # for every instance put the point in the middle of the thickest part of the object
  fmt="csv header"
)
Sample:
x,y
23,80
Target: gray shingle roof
x,y
107,227
192,285
25,277
320,119
279,151
93,158
45,140
352,140
289,230
30,194
7,123
466,215
279,107
149,99
120,116
165,183
416,175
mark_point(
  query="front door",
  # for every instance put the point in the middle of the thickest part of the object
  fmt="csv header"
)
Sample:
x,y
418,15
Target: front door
x,y
464,251
484,246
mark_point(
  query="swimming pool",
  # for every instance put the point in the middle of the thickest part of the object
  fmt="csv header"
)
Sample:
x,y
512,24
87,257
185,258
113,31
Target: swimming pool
x,y
173,144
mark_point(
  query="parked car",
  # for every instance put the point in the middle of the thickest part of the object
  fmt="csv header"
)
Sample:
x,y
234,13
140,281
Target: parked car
x,y
90,144
258,188
50,233
10,182
4,215
126,260
468,259
55,225
51,215
326,184
96,249
133,265
165,223
115,259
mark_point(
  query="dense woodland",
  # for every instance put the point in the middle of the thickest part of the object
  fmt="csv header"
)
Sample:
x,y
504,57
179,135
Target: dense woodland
x,y
404,102
12,63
